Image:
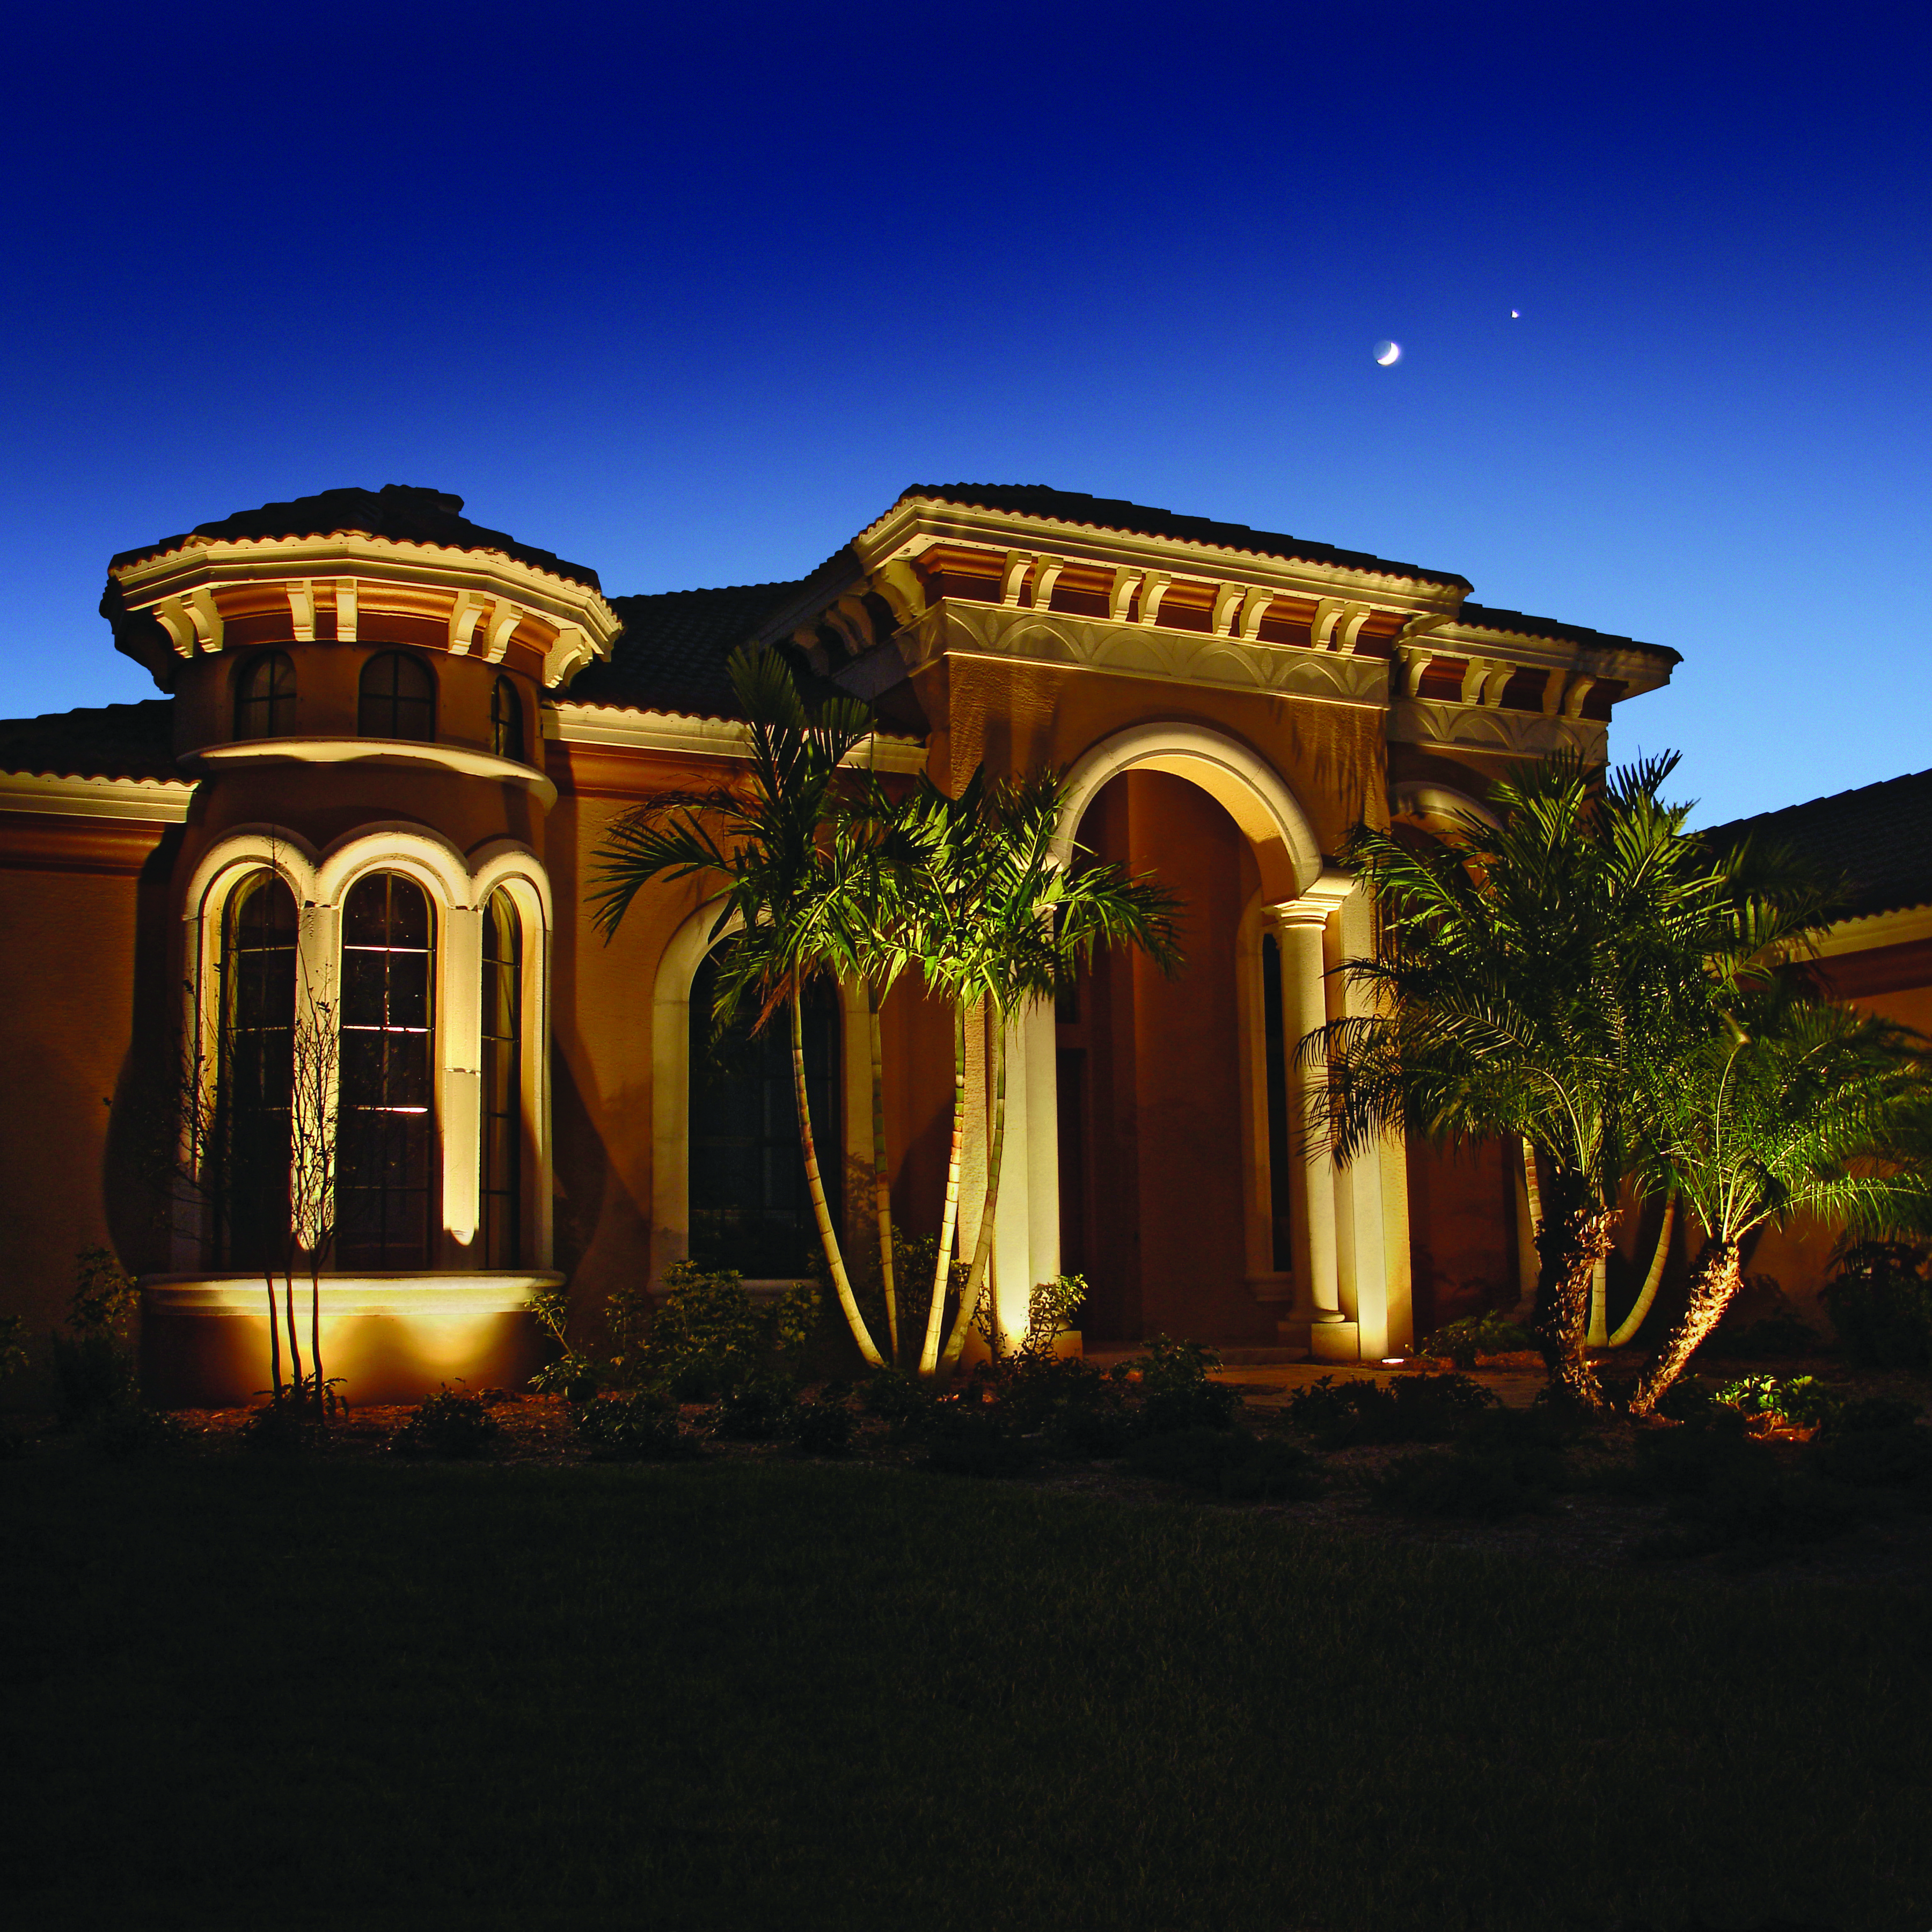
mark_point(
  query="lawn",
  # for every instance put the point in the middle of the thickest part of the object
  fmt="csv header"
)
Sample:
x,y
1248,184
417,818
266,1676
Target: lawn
x,y
758,1694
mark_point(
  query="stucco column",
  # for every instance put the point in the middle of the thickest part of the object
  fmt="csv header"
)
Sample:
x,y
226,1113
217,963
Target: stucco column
x,y
1300,926
459,1034
1359,1189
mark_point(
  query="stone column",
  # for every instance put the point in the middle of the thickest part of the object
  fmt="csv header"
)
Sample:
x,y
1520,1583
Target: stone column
x,y
459,1032
1300,925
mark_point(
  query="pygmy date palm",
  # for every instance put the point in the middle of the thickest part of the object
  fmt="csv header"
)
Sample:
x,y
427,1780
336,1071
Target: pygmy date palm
x,y
1530,976
766,838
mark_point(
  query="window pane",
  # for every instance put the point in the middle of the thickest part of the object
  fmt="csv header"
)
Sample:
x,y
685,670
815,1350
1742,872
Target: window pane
x,y
249,1161
502,1070
397,698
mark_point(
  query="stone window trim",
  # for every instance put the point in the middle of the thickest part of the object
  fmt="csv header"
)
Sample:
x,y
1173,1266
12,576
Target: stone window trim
x,y
459,886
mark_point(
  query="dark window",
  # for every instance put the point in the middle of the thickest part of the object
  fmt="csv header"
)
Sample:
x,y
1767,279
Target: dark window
x,y
387,1138
1275,1036
398,698
506,720
249,1160
264,697
503,1086
749,1209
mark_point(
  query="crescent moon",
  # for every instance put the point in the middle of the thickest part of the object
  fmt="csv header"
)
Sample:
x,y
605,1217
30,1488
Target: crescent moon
x,y
1387,353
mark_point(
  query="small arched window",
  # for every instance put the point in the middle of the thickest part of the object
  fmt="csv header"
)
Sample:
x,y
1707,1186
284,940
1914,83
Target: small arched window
x,y
386,1137
264,697
397,698
506,720
255,1043
502,1083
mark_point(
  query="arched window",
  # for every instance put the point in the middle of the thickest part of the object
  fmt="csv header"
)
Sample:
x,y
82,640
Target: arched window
x,y
506,720
386,1135
502,1125
397,698
249,1161
264,697
749,1207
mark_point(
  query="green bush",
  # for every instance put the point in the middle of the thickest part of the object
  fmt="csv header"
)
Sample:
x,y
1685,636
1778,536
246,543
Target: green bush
x,y
963,1441
1076,1409
1229,1462
896,1397
1460,1343
1409,1409
94,1361
1800,1401
820,1428
281,1428
710,1335
1176,1392
758,1410
1455,1482
452,1422
132,1430
637,1428
1881,1304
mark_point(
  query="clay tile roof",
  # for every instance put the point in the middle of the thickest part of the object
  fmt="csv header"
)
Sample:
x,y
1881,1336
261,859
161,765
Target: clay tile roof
x,y
1110,513
401,512
1486,617
115,741
670,655
1879,838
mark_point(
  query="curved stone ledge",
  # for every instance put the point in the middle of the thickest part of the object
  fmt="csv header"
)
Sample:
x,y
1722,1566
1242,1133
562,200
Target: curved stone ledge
x,y
401,753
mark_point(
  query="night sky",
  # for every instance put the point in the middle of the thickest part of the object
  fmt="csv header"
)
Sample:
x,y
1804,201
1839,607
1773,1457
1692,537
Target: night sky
x,y
691,294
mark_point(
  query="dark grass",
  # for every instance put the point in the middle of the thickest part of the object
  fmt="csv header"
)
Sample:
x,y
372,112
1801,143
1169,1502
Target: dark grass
x,y
775,1695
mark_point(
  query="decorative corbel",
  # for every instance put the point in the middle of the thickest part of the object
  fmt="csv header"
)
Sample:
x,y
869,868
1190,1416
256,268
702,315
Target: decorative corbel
x,y
1152,591
503,620
171,615
853,622
1227,601
1580,688
1415,660
1475,675
570,650
1349,632
1321,625
1013,577
301,611
345,611
1120,598
1552,691
1496,683
463,621
1046,575
1254,607
898,583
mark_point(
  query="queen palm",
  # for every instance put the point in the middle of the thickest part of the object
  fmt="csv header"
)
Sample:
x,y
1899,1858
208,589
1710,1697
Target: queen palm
x,y
766,839
1529,974
995,921
1794,1107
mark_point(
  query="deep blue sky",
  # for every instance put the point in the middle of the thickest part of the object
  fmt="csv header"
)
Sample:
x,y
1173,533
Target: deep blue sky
x,y
691,294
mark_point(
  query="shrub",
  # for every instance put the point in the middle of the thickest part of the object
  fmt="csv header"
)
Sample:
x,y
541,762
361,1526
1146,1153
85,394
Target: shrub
x,y
279,1428
452,1422
1228,1461
709,1336
94,1361
12,1344
1076,1409
820,1428
1175,1391
1457,1484
133,1430
757,1410
1688,1461
1770,1338
1881,1304
1800,1401
898,1398
1541,1426
1410,1408
640,1428
1460,1343
973,1441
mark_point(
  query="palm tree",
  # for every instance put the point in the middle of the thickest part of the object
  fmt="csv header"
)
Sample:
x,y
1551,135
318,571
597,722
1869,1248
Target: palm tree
x,y
766,838
1529,974
997,922
1795,1107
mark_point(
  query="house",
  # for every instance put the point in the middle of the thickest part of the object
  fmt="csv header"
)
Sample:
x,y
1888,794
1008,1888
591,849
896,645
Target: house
x,y
389,743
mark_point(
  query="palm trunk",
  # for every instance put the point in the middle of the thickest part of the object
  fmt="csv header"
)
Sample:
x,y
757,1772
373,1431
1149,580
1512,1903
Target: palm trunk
x,y
982,1248
882,1193
942,1266
815,1187
275,1340
1599,1335
1626,1329
1532,1192
1712,1285
1572,1243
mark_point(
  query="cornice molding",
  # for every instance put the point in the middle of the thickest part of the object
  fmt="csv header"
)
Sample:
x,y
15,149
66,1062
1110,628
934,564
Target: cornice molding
x,y
953,627
394,752
1898,928
1485,728
707,737
158,801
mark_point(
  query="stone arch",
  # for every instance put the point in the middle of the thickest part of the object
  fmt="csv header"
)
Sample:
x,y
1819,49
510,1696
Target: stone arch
x,y
1237,777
